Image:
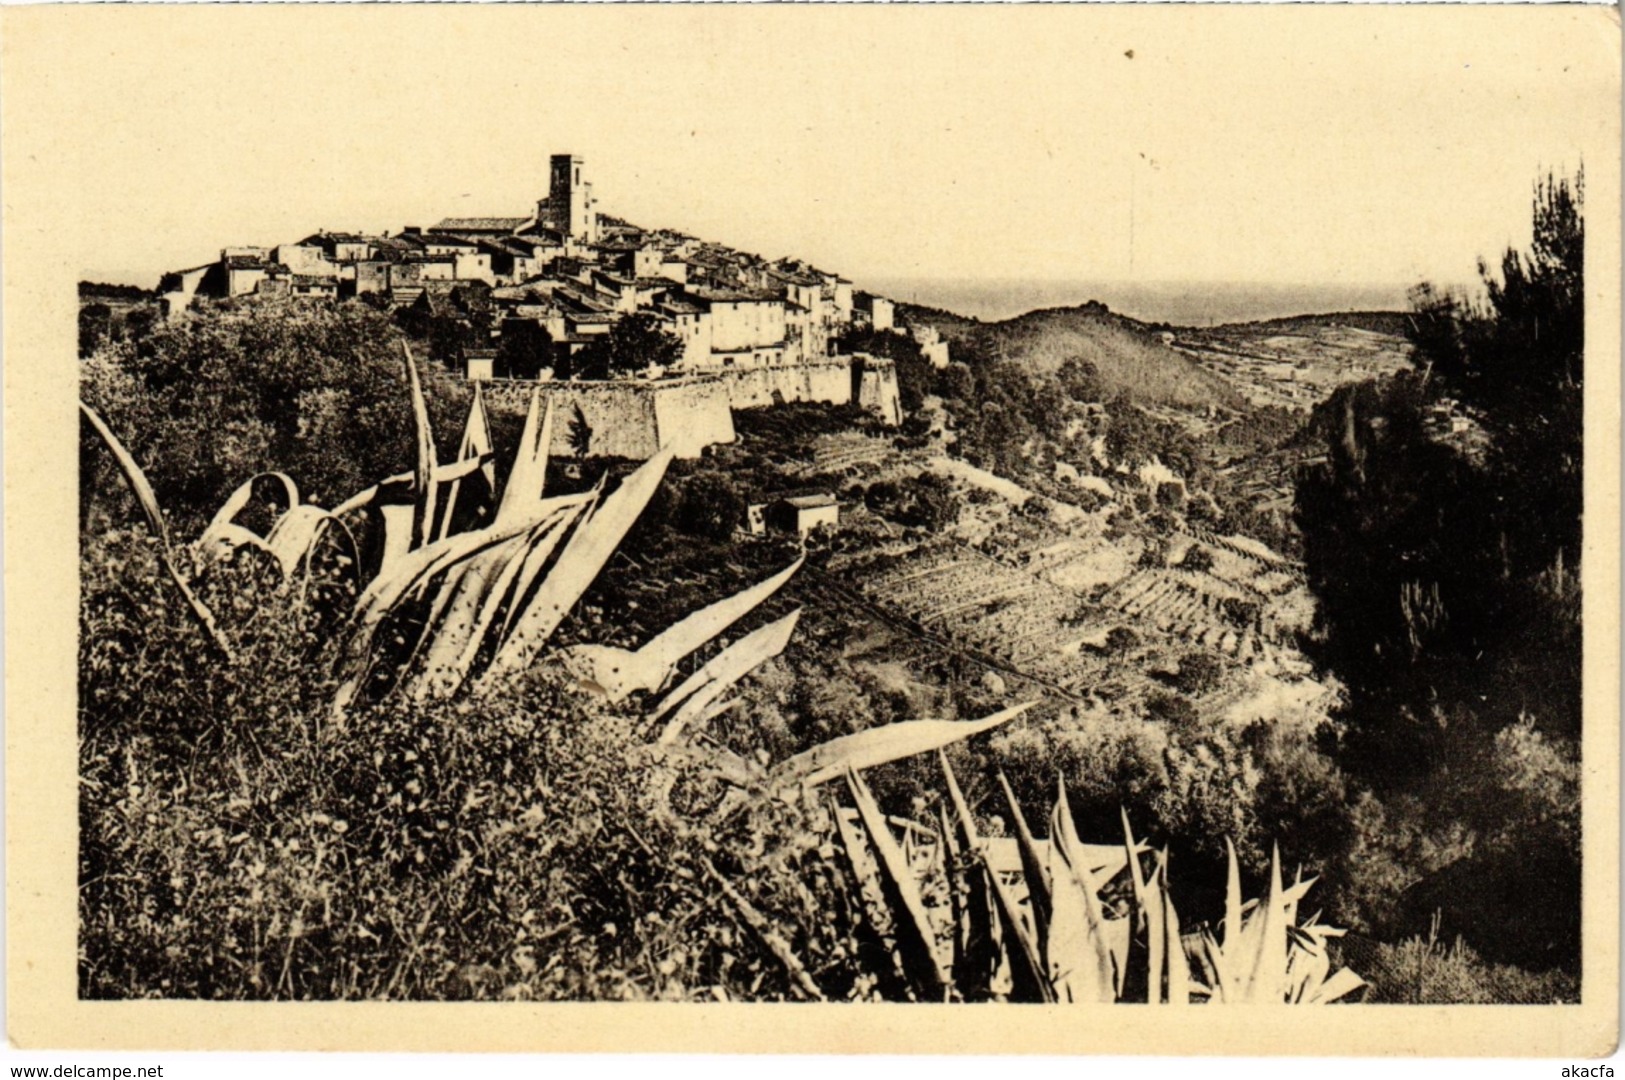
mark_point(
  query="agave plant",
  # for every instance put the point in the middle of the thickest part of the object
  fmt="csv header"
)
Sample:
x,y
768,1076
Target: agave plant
x,y
1059,920
449,610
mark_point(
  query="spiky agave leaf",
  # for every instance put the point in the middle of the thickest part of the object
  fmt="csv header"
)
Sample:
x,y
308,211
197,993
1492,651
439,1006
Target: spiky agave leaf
x,y
982,949
1310,980
148,501
468,598
1105,861
529,473
400,489
879,745
916,938
1032,867
1077,959
426,493
466,605
1179,970
589,548
1266,984
615,673
537,563
1342,983
1307,965
1139,967
725,669
1028,979
408,579
475,445
1232,897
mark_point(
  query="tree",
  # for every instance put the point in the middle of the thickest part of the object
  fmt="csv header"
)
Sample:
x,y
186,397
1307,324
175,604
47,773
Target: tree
x,y
1445,574
1079,380
524,350
315,392
634,343
914,372
449,339
1399,555
95,327
1444,565
711,506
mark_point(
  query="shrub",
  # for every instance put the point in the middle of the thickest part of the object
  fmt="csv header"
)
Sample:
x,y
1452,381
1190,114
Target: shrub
x,y
1422,971
1198,673
1175,710
710,506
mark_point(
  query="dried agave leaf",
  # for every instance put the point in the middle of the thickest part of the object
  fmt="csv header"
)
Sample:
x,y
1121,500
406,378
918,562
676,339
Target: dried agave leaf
x,y
243,495
297,532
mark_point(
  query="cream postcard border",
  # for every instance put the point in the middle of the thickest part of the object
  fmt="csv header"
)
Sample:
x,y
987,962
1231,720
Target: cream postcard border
x,y
45,48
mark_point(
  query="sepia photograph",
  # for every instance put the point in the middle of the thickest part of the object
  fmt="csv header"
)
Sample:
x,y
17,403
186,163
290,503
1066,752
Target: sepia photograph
x,y
935,514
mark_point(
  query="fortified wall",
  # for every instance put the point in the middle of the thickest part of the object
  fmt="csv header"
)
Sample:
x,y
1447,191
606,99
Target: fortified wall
x,y
829,381
628,418
633,418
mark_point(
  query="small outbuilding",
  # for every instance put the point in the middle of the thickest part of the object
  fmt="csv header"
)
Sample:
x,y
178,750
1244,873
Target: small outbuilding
x,y
801,514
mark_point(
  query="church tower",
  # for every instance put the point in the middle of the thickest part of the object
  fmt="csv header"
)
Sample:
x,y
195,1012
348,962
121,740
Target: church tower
x,y
569,204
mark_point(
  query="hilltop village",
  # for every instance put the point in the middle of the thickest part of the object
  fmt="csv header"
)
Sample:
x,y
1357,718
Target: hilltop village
x,y
539,290
1064,505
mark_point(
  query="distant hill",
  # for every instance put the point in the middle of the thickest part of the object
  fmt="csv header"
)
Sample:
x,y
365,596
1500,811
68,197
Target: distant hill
x,y
1129,357
1393,323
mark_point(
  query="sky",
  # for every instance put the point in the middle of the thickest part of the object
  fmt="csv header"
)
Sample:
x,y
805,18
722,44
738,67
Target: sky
x,y
1332,145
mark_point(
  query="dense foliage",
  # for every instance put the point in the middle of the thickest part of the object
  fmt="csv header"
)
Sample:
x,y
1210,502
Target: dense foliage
x,y
1442,540
238,841
634,343
208,402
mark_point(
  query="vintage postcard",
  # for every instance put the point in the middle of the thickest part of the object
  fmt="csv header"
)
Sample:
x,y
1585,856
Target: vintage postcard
x,y
812,528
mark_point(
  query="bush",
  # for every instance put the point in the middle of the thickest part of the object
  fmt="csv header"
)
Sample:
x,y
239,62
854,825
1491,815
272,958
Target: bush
x,y
1421,971
710,506
1198,673
1171,709
205,403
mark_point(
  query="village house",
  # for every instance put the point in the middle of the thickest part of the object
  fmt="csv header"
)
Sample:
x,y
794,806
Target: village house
x,y
747,327
178,288
245,268
932,347
801,514
575,273
876,312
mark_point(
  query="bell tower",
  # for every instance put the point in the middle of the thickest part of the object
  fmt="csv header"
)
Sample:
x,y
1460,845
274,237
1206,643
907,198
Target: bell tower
x,y
569,206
